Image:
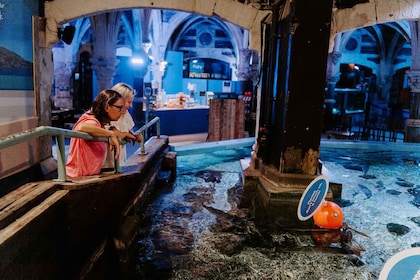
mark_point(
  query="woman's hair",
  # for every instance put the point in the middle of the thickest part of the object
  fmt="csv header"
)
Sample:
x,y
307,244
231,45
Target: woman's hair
x,y
104,98
124,89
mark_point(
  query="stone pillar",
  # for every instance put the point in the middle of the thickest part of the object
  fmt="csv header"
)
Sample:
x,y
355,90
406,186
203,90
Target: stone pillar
x,y
412,125
105,69
105,29
333,76
244,69
62,91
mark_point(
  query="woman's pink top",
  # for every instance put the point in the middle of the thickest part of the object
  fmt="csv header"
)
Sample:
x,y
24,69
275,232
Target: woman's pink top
x,y
85,157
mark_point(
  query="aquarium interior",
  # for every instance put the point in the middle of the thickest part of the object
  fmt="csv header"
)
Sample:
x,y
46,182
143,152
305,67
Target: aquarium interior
x,y
196,228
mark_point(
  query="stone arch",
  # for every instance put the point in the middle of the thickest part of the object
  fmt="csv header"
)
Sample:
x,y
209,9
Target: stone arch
x,y
194,21
374,12
59,12
351,44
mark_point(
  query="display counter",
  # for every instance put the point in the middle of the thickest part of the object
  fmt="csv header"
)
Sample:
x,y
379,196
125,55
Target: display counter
x,y
178,121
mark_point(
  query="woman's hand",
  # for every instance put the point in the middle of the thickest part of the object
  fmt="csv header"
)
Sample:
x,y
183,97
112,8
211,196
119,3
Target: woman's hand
x,y
114,143
138,137
127,136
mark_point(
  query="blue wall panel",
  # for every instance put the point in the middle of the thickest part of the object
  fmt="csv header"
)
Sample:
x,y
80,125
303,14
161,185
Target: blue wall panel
x,y
172,79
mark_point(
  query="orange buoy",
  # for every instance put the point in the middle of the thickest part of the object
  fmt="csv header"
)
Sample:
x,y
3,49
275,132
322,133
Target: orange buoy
x,y
329,215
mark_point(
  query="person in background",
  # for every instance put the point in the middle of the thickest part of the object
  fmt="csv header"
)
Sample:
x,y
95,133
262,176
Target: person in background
x,y
86,157
124,124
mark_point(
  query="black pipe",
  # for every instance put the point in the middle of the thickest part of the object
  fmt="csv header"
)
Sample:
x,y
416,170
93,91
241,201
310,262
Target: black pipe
x,y
272,53
269,71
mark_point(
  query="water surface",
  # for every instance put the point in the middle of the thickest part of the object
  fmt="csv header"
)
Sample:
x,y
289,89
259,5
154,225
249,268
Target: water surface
x,y
196,229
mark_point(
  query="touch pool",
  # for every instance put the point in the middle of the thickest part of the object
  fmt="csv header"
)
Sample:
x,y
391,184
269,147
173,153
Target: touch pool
x,y
196,229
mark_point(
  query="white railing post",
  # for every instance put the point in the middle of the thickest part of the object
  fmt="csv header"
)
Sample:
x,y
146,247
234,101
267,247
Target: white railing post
x,y
61,157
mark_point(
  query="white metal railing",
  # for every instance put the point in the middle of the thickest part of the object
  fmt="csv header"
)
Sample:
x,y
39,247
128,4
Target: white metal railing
x,y
61,133
143,131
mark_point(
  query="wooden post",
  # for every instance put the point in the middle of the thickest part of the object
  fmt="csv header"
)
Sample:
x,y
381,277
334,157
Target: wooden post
x,y
296,134
226,119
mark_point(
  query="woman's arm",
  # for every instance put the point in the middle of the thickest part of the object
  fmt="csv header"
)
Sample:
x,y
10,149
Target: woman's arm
x,y
97,131
94,130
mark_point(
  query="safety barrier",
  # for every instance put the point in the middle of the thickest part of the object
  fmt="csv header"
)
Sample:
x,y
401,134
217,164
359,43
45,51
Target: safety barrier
x,y
143,131
61,133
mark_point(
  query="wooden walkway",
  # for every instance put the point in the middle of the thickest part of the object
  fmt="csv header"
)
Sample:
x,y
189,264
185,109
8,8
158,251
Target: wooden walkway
x,y
69,230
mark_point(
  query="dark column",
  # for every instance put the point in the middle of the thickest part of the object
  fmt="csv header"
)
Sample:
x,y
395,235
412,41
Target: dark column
x,y
412,125
304,38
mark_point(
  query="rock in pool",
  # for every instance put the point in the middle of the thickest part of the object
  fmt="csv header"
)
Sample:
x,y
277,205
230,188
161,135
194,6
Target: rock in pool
x,y
393,192
416,244
210,175
415,220
397,229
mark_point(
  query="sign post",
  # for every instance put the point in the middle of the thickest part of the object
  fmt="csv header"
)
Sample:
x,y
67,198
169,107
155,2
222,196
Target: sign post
x,y
312,198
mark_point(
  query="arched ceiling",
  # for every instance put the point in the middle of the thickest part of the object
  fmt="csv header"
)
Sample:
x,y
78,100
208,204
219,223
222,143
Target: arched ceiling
x,y
205,37
195,35
387,43
58,12
248,14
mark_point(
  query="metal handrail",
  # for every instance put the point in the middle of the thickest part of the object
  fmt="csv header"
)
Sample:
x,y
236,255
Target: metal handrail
x,y
142,130
61,133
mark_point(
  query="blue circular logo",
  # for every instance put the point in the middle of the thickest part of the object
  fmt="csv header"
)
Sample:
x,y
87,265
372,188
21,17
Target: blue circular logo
x,y
312,197
402,266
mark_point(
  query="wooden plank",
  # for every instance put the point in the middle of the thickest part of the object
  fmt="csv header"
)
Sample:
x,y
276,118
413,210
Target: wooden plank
x,y
93,259
31,195
214,120
224,129
211,117
226,119
12,196
144,189
33,246
217,119
231,118
62,236
127,232
240,119
27,218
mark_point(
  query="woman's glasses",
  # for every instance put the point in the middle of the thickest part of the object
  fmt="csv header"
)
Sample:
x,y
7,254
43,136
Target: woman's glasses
x,y
118,107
